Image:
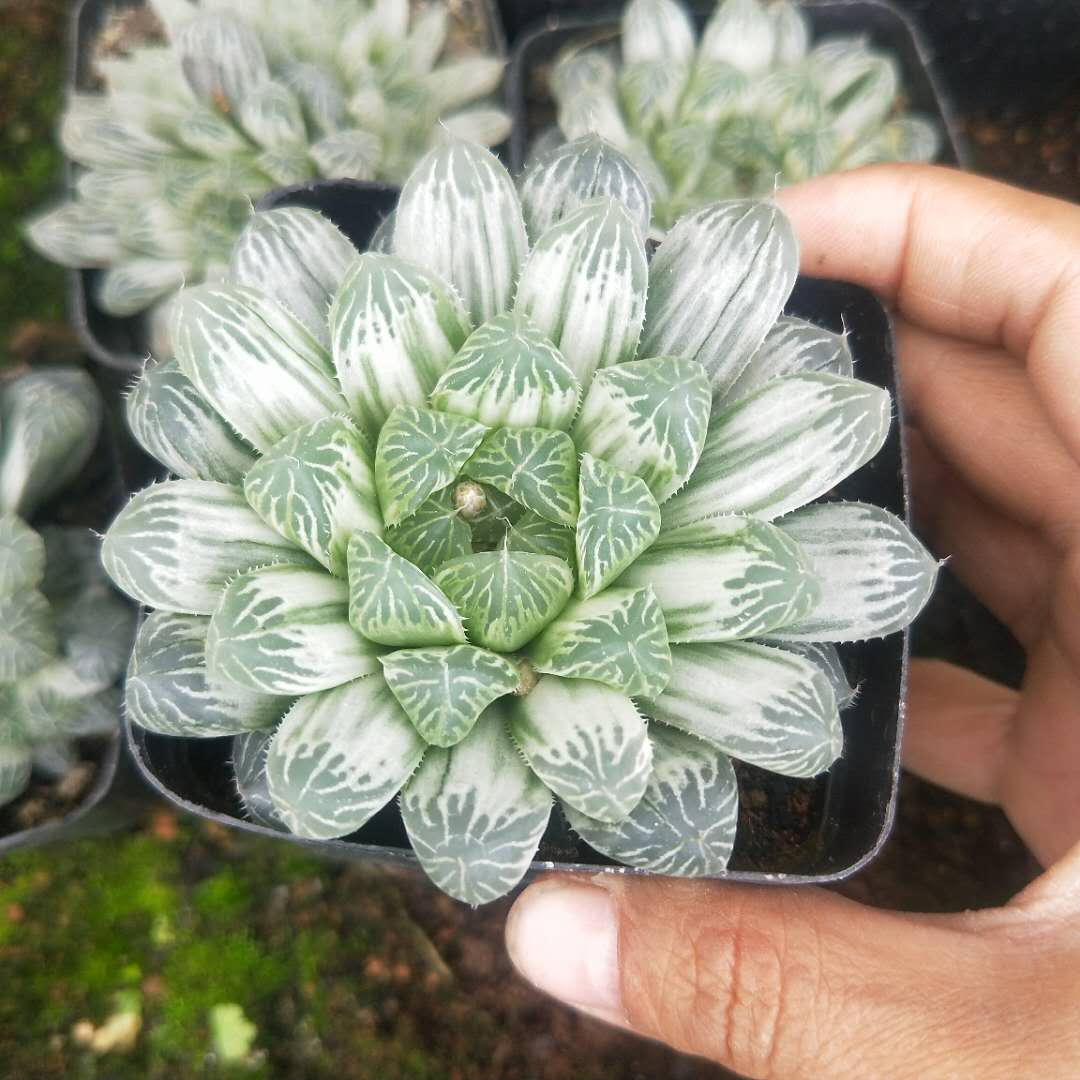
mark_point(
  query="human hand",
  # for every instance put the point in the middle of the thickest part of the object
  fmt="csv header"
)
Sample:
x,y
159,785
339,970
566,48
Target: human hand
x,y
788,983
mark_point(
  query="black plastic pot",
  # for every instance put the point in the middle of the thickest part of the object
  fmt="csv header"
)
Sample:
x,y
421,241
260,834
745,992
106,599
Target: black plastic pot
x,y
530,105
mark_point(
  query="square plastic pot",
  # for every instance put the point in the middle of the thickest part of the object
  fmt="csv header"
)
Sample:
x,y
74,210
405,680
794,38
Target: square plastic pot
x,y
790,831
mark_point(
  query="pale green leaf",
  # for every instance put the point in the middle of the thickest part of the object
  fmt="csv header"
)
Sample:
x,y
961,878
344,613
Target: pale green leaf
x,y
28,640
22,556
740,32
249,752
715,92
432,535
73,235
658,30
270,114
95,628
827,657
222,58
791,28
459,81
353,154
533,533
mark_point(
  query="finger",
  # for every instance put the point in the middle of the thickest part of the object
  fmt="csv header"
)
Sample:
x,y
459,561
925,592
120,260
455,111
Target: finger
x,y
960,255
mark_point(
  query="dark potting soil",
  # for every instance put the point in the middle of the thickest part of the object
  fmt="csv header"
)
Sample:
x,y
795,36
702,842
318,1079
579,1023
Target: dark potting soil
x,y
51,799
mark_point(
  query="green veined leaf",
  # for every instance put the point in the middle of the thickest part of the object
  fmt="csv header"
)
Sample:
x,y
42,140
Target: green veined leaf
x,y
509,375
93,136
535,534
685,824
457,82
74,235
827,657
784,445
249,752
173,422
176,544
584,286
392,603
317,487
587,742
649,419
420,452
875,574
792,32
717,284
863,104
475,813
95,628
29,639
16,761
444,690
321,94
54,702
133,285
270,114
339,757
22,556
618,638
619,519
168,690
285,630
650,91
506,597
740,32
726,578
222,59
657,30
714,93
490,517
432,535
352,153
395,329
460,218
535,467
286,165
757,704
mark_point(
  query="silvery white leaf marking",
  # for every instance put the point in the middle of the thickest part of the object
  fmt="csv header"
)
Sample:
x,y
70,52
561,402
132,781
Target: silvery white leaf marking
x,y
392,603
420,452
22,555
168,691
685,824
339,757
475,813
535,534
382,240
321,95
134,284
784,445
95,629
432,534
535,467
618,520
657,30
584,286
444,690
717,284
174,424
73,236
726,578
587,742
618,638
54,702
596,111
649,419
484,125
298,258
229,339
93,137
155,229
286,165
270,113
791,29
49,422
285,630
29,640
714,93
208,134
395,328
508,374
353,154
862,105
317,487
176,544
650,91
249,772
569,174
16,760
460,218
222,59
458,82
506,597
755,703
875,574
827,657
740,32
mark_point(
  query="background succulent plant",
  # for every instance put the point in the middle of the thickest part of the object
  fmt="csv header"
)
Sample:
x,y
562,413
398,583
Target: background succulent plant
x,y
744,107
66,634
523,515
243,96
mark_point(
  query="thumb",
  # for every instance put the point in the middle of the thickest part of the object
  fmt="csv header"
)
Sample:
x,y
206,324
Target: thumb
x,y
770,982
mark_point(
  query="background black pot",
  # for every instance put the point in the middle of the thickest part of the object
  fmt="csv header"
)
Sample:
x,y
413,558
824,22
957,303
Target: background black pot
x,y
790,831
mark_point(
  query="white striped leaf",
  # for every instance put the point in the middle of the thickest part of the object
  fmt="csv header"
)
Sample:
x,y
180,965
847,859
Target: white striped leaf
x,y
298,258
862,106
457,82
578,71
649,419
74,235
618,638
714,93
766,706
509,375
459,217
29,639
353,154
658,30
339,757
587,742
286,165
222,59
650,91
792,32
432,535
248,761
420,452
316,487
392,603
584,286
395,328
22,555
475,813
174,423
270,113
168,691
16,761
876,576
91,135
444,690
154,228
229,339
618,520
717,284
827,657
535,467
784,445
55,703
533,533
559,180
685,824
285,630
506,597
95,628
740,32
481,124
176,544
321,94
726,578
134,284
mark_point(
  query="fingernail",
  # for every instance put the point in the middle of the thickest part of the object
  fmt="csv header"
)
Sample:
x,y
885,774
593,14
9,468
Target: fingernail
x,y
564,938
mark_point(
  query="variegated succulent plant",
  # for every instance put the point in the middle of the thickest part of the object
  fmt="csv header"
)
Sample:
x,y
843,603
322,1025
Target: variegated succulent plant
x,y
745,107
243,96
66,634
503,513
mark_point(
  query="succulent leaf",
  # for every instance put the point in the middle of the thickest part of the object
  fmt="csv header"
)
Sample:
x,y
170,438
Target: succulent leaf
x,y
827,657
30,639
249,752
658,30
22,556
535,534
432,535
222,59
133,285
740,32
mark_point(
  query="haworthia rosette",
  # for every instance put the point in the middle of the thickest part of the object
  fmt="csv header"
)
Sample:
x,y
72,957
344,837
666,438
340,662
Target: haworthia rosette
x,y
433,534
